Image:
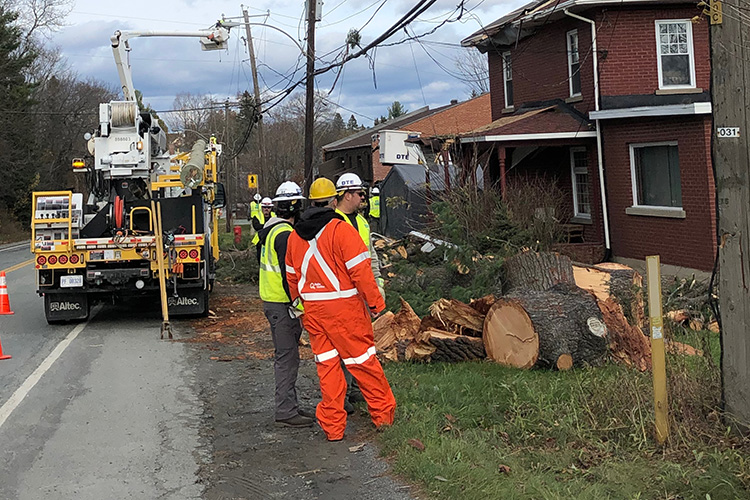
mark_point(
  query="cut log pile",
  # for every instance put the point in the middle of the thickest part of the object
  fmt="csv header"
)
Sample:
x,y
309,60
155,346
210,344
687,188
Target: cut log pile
x,y
554,315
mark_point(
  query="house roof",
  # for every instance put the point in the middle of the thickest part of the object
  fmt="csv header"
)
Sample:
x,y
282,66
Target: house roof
x,y
455,119
524,21
549,120
364,137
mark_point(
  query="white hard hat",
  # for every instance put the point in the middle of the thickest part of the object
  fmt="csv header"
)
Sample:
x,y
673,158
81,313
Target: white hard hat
x,y
288,191
266,202
348,182
256,197
375,190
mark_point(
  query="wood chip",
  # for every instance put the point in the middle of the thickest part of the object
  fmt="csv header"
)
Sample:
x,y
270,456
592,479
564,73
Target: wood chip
x,y
441,478
416,444
356,448
503,469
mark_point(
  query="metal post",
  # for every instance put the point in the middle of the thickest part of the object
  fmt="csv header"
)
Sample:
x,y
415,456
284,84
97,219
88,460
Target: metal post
x,y
264,188
658,361
229,174
309,94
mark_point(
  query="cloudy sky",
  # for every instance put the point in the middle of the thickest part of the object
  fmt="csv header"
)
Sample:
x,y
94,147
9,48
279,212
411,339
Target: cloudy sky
x,y
416,74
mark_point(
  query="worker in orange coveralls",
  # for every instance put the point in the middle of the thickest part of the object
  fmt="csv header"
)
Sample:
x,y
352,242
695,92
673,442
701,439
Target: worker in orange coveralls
x,y
328,267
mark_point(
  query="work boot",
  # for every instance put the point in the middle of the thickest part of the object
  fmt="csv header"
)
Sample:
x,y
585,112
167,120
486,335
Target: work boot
x,y
296,421
307,413
348,407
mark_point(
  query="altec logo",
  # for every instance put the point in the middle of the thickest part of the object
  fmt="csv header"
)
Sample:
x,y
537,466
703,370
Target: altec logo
x,y
64,306
182,301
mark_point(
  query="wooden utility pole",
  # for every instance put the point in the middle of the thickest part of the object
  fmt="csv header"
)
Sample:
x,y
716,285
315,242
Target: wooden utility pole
x,y
256,92
310,93
229,174
730,74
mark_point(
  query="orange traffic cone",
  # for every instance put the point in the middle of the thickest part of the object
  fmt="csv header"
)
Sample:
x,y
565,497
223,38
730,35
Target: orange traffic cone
x,y
4,302
3,356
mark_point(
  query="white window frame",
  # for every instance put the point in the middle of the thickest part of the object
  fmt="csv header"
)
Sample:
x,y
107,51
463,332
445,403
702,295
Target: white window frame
x,y
506,79
634,176
576,213
691,53
570,62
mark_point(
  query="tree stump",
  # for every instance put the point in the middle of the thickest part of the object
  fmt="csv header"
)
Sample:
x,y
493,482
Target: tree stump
x,y
534,271
560,327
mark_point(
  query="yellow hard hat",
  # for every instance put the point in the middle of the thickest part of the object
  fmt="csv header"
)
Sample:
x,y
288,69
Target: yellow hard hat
x,y
322,189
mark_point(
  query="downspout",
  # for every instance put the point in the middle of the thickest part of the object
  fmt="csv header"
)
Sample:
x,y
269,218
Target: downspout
x,y
599,152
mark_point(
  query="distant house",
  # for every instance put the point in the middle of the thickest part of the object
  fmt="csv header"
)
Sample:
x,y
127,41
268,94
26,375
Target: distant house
x,y
612,99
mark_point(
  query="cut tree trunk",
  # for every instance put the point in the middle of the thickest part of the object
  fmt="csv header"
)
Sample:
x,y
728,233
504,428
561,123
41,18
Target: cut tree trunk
x,y
450,347
482,305
454,312
394,332
534,271
559,327
618,292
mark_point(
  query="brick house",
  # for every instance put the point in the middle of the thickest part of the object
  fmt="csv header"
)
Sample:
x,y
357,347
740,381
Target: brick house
x,y
613,88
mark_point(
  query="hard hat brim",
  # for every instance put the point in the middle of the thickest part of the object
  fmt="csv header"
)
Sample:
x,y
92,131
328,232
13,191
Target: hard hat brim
x,y
288,198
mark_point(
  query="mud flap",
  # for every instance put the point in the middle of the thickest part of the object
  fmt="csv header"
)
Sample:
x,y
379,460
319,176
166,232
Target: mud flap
x,y
66,306
190,301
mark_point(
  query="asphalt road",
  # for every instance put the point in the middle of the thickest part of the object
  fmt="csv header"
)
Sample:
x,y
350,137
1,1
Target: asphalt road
x,y
115,415
104,409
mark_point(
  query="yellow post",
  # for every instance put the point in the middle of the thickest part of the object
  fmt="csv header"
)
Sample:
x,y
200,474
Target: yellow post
x,y
159,244
658,361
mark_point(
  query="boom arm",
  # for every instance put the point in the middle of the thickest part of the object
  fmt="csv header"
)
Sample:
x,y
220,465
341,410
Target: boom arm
x,y
213,39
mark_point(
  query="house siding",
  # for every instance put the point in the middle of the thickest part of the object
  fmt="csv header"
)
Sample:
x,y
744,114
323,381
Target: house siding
x,y
688,242
540,68
627,44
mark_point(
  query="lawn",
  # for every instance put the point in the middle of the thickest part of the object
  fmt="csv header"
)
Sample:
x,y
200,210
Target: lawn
x,y
494,432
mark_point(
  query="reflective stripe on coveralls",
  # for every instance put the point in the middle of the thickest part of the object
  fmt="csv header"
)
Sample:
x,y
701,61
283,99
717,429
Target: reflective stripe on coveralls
x,y
334,263
271,282
375,206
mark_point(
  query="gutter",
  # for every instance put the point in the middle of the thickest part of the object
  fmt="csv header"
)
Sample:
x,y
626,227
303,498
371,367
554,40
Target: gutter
x,y
599,152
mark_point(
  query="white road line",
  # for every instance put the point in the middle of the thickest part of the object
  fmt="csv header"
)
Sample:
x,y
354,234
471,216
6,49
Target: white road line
x,y
30,382
15,247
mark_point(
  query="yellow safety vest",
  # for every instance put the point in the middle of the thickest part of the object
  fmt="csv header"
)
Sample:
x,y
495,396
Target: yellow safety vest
x,y
262,219
254,209
375,206
362,226
271,284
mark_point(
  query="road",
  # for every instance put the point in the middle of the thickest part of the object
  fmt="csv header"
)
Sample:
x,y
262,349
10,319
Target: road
x,y
104,409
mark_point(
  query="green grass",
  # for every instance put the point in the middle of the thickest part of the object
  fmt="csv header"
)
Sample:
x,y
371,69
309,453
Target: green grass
x,y
580,434
226,239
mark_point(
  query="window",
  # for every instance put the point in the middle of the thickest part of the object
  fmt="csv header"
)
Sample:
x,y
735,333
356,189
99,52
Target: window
x,y
674,42
508,78
579,172
574,67
655,171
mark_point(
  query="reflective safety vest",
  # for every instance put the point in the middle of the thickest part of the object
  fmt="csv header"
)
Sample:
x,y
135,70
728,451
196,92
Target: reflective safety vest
x,y
262,219
362,226
271,283
375,206
254,209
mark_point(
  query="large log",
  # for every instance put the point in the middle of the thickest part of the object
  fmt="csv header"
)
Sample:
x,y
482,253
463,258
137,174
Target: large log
x,y
454,312
450,347
394,332
537,271
559,327
618,291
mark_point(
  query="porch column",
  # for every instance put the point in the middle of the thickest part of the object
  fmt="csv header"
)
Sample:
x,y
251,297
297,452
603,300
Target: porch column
x,y
501,164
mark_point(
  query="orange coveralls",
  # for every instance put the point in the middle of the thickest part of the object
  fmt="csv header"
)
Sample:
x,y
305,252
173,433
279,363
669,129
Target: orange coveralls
x,y
332,275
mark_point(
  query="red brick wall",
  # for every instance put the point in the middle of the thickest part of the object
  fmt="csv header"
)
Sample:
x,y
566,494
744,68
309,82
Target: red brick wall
x,y
628,64
540,68
688,242
457,119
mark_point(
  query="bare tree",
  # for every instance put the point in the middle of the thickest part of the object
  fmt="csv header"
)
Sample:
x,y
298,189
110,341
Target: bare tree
x,y
473,67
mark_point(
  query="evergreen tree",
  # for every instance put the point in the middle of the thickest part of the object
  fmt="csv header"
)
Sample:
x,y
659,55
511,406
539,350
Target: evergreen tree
x,y
337,124
352,124
396,109
18,150
146,108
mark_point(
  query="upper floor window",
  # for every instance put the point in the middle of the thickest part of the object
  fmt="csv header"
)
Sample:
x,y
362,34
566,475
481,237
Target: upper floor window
x,y
674,42
508,79
574,66
655,171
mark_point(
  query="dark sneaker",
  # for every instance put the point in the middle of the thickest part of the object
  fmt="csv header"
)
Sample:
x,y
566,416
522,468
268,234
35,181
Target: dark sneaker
x,y
296,421
356,397
348,407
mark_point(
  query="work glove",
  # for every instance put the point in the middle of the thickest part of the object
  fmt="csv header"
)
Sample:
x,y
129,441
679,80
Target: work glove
x,y
296,309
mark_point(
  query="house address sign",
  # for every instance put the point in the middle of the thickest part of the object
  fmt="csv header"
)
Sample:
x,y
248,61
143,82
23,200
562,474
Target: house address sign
x,y
728,132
